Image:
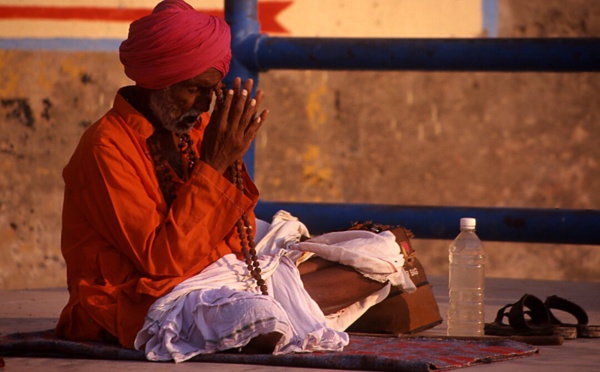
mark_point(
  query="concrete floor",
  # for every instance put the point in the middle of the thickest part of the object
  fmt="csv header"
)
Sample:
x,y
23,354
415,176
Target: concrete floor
x,y
31,310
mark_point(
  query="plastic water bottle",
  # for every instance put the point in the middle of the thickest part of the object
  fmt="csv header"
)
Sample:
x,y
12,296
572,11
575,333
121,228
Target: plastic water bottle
x,y
466,282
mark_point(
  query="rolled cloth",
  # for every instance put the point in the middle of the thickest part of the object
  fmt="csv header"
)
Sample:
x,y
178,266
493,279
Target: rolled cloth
x,y
174,43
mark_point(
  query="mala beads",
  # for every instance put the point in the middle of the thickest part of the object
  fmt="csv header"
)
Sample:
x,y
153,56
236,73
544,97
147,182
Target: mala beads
x,y
163,169
185,146
244,229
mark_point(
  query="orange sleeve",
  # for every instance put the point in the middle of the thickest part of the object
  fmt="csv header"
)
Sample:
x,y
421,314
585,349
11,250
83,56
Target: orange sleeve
x,y
123,246
124,203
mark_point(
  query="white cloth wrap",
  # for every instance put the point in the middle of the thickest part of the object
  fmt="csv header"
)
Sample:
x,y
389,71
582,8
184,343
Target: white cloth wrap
x,y
221,308
376,256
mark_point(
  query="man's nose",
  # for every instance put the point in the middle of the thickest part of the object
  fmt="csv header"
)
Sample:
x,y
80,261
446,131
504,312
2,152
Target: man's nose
x,y
203,100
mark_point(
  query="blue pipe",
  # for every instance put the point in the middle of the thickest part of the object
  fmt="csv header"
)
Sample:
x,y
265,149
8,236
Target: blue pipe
x,y
504,55
254,52
559,226
242,17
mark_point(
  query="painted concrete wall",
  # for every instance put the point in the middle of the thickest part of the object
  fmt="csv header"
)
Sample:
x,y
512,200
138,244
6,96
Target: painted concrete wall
x,y
383,18
523,140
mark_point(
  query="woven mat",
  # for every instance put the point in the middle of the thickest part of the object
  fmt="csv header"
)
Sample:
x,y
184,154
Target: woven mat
x,y
363,353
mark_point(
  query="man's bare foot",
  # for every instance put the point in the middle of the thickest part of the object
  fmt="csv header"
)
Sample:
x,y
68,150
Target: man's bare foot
x,y
262,344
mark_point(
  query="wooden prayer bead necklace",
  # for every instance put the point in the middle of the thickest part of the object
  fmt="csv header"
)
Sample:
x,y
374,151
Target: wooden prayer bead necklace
x,y
167,186
246,235
163,170
186,147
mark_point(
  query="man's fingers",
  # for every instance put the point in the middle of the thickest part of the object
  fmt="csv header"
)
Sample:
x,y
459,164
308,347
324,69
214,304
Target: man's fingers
x,y
249,112
255,124
237,83
241,114
237,110
220,94
258,96
248,85
252,106
263,116
224,109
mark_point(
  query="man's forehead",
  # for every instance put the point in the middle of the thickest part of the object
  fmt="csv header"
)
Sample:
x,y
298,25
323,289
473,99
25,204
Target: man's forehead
x,y
212,76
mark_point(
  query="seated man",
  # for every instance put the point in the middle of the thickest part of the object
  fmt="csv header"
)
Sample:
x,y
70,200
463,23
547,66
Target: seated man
x,y
156,193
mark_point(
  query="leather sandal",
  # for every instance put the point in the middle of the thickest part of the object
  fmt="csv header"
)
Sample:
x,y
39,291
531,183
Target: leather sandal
x,y
535,321
583,330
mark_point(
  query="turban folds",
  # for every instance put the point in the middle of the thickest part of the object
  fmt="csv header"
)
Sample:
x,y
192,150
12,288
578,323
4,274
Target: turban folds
x,y
174,43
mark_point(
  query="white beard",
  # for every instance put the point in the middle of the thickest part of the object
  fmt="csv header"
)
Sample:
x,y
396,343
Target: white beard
x,y
163,106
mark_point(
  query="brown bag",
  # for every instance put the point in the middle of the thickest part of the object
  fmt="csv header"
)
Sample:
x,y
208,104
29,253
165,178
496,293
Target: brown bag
x,y
401,312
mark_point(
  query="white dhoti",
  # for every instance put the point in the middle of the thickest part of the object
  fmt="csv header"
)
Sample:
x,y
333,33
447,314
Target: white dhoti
x,y
221,308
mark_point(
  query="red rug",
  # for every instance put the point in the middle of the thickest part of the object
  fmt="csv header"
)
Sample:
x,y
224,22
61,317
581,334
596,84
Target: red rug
x,y
363,353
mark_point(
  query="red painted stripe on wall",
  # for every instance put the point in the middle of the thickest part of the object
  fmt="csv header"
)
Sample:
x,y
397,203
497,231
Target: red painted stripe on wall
x,y
267,12
71,13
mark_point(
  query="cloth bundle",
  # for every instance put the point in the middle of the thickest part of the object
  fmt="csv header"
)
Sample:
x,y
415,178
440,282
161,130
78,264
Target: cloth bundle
x,y
221,308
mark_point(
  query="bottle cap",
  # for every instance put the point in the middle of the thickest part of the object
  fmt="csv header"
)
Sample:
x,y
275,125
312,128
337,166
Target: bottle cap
x,y
467,223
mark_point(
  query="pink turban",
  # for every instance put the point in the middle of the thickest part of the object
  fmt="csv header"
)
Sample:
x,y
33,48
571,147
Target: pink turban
x,y
174,43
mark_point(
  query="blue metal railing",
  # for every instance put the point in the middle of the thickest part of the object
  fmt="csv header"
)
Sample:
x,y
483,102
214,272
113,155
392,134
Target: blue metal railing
x,y
262,53
254,52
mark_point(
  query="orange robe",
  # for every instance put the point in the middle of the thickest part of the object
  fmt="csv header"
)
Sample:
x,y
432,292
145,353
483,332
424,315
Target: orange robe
x,y
123,247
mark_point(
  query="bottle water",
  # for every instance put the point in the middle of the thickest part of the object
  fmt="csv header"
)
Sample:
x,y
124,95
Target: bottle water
x,y
466,282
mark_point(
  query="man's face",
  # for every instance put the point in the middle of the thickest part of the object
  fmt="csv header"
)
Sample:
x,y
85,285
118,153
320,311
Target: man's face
x,y
178,106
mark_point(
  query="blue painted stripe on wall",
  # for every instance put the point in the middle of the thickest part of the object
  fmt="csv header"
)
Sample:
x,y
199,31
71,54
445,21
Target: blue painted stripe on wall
x,y
66,44
490,17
